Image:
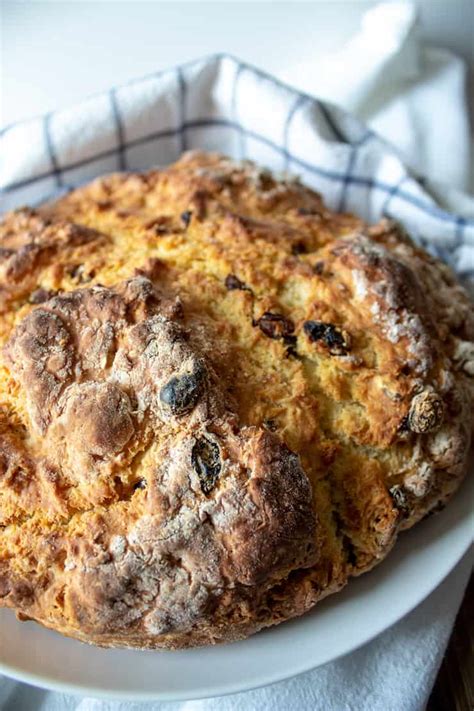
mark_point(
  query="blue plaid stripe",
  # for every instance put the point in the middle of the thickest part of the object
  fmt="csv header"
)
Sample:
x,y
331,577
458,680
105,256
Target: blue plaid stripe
x,y
119,128
300,100
56,170
427,208
395,189
181,130
346,179
461,223
355,145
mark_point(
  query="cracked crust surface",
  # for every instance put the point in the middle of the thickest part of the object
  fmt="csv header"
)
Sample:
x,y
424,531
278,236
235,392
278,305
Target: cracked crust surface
x,y
218,402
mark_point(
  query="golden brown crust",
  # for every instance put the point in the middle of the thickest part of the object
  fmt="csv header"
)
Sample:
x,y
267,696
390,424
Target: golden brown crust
x,y
218,401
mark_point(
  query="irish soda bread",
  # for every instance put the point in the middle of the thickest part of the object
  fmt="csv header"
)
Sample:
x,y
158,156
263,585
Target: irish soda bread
x,y
218,400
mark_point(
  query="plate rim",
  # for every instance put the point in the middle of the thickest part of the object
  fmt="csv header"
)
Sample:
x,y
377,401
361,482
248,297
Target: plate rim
x,y
12,671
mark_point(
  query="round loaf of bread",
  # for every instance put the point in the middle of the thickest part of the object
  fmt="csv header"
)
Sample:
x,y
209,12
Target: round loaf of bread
x,y
218,402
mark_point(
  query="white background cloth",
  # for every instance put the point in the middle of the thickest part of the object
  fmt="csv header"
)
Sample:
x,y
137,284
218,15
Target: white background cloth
x,y
393,82
397,86
57,53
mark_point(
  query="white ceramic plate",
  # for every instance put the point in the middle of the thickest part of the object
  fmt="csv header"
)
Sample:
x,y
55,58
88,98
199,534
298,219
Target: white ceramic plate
x,y
339,624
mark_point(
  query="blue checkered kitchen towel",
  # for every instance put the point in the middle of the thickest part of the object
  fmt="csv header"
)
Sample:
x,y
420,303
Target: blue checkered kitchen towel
x,y
223,104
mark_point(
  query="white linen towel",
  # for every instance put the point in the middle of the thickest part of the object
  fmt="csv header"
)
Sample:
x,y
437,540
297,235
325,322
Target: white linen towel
x,y
411,94
223,104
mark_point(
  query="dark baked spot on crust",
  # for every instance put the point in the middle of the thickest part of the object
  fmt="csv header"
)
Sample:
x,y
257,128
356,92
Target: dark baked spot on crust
x,y
270,425
299,248
283,517
39,296
42,354
79,274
